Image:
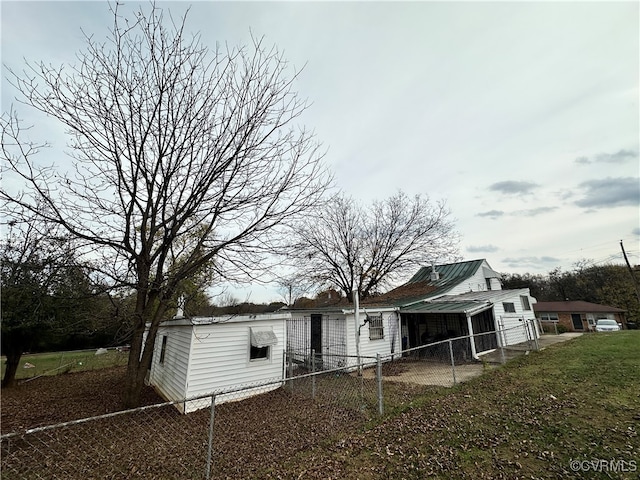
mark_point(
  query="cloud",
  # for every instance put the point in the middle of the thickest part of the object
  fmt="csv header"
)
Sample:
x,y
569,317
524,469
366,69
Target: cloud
x,y
531,262
636,231
482,249
491,213
620,156
610,192
534,211
512,187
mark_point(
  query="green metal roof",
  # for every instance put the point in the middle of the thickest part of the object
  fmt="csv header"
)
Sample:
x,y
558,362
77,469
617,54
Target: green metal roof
x,y
451,274
468,307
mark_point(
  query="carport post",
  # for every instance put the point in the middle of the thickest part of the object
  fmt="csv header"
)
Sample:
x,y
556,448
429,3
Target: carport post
x,y
210,449
453,363
379,378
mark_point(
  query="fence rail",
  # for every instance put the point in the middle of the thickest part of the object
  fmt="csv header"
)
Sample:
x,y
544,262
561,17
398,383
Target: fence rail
x,y
229,438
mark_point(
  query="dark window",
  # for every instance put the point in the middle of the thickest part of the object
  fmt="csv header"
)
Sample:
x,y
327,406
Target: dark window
x,y
509,307
525,302
163,350
376,327
262,338
258,352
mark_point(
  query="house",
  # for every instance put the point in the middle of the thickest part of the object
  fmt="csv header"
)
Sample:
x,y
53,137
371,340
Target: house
x,y
337,337
201,355
197,356
577,316
438,302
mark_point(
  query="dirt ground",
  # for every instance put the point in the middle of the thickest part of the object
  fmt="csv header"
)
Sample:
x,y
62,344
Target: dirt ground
x,y
251,437
427,373
56,399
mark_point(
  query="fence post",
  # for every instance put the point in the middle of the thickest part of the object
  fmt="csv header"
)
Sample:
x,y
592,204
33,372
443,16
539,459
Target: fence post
x,y
534,332
503,340
453,363
290,362
313,371
209,452
379,378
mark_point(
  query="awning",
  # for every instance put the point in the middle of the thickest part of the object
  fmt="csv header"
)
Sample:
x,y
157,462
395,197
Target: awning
x,y
263,337
466,308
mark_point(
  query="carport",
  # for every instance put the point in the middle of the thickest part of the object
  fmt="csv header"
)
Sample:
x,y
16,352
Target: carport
x,y
427,322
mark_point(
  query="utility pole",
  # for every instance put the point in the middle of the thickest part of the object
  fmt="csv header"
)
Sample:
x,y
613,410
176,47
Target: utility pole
x,y
633,274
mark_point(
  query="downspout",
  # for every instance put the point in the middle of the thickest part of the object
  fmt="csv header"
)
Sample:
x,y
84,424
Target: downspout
x,y
472,342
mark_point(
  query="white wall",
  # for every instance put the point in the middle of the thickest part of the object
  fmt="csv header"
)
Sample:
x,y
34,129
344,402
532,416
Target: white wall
x,y
476,283
220,358
210,357
514,322
170,377
369,348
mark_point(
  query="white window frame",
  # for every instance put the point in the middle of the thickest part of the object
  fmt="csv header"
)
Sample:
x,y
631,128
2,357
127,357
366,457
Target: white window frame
x,y
261,339
509,307
163,350
376,327
549,317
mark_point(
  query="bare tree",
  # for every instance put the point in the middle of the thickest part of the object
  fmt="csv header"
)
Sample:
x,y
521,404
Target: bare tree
x,y
182,157
350,247
293,286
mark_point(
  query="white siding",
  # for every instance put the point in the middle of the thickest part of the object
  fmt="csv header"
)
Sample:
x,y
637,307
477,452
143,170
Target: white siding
x,y
369,348
514,323
170,377
220,358
476,283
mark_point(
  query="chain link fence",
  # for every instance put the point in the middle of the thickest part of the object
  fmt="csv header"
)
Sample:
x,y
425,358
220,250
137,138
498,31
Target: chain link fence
x,y
233,435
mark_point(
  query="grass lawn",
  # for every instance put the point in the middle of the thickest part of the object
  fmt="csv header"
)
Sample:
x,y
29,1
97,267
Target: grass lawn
x,y
544,415
55,363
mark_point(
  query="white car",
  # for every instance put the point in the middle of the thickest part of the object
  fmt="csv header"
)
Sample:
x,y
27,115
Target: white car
x,y
605,325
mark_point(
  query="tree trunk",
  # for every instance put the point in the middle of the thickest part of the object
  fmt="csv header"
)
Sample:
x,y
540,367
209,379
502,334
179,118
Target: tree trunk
x,y
13,361
140,357
136,371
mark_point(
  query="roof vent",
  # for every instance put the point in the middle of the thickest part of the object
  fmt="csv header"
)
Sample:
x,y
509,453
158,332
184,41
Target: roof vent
x,y
434,276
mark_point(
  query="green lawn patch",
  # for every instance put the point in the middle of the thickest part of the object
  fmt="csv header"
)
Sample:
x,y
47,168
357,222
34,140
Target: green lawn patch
x,y
569,411
56,363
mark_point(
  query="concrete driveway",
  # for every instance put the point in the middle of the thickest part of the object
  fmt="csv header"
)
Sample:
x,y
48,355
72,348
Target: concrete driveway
x,y
441,374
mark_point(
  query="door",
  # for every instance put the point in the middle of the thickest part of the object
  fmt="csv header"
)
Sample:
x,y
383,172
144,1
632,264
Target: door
x,y
316,334
576,318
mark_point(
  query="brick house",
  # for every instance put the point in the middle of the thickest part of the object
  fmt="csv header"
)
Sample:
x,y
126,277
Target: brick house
x,y
577,316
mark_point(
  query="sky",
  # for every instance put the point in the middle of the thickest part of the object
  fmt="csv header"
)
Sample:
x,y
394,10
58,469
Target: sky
x,y
523,116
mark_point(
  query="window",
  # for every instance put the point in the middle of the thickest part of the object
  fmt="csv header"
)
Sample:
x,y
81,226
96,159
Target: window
x,y
549,317
262,339
163,350
376,327
488,283
258,353
509,307
525,302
